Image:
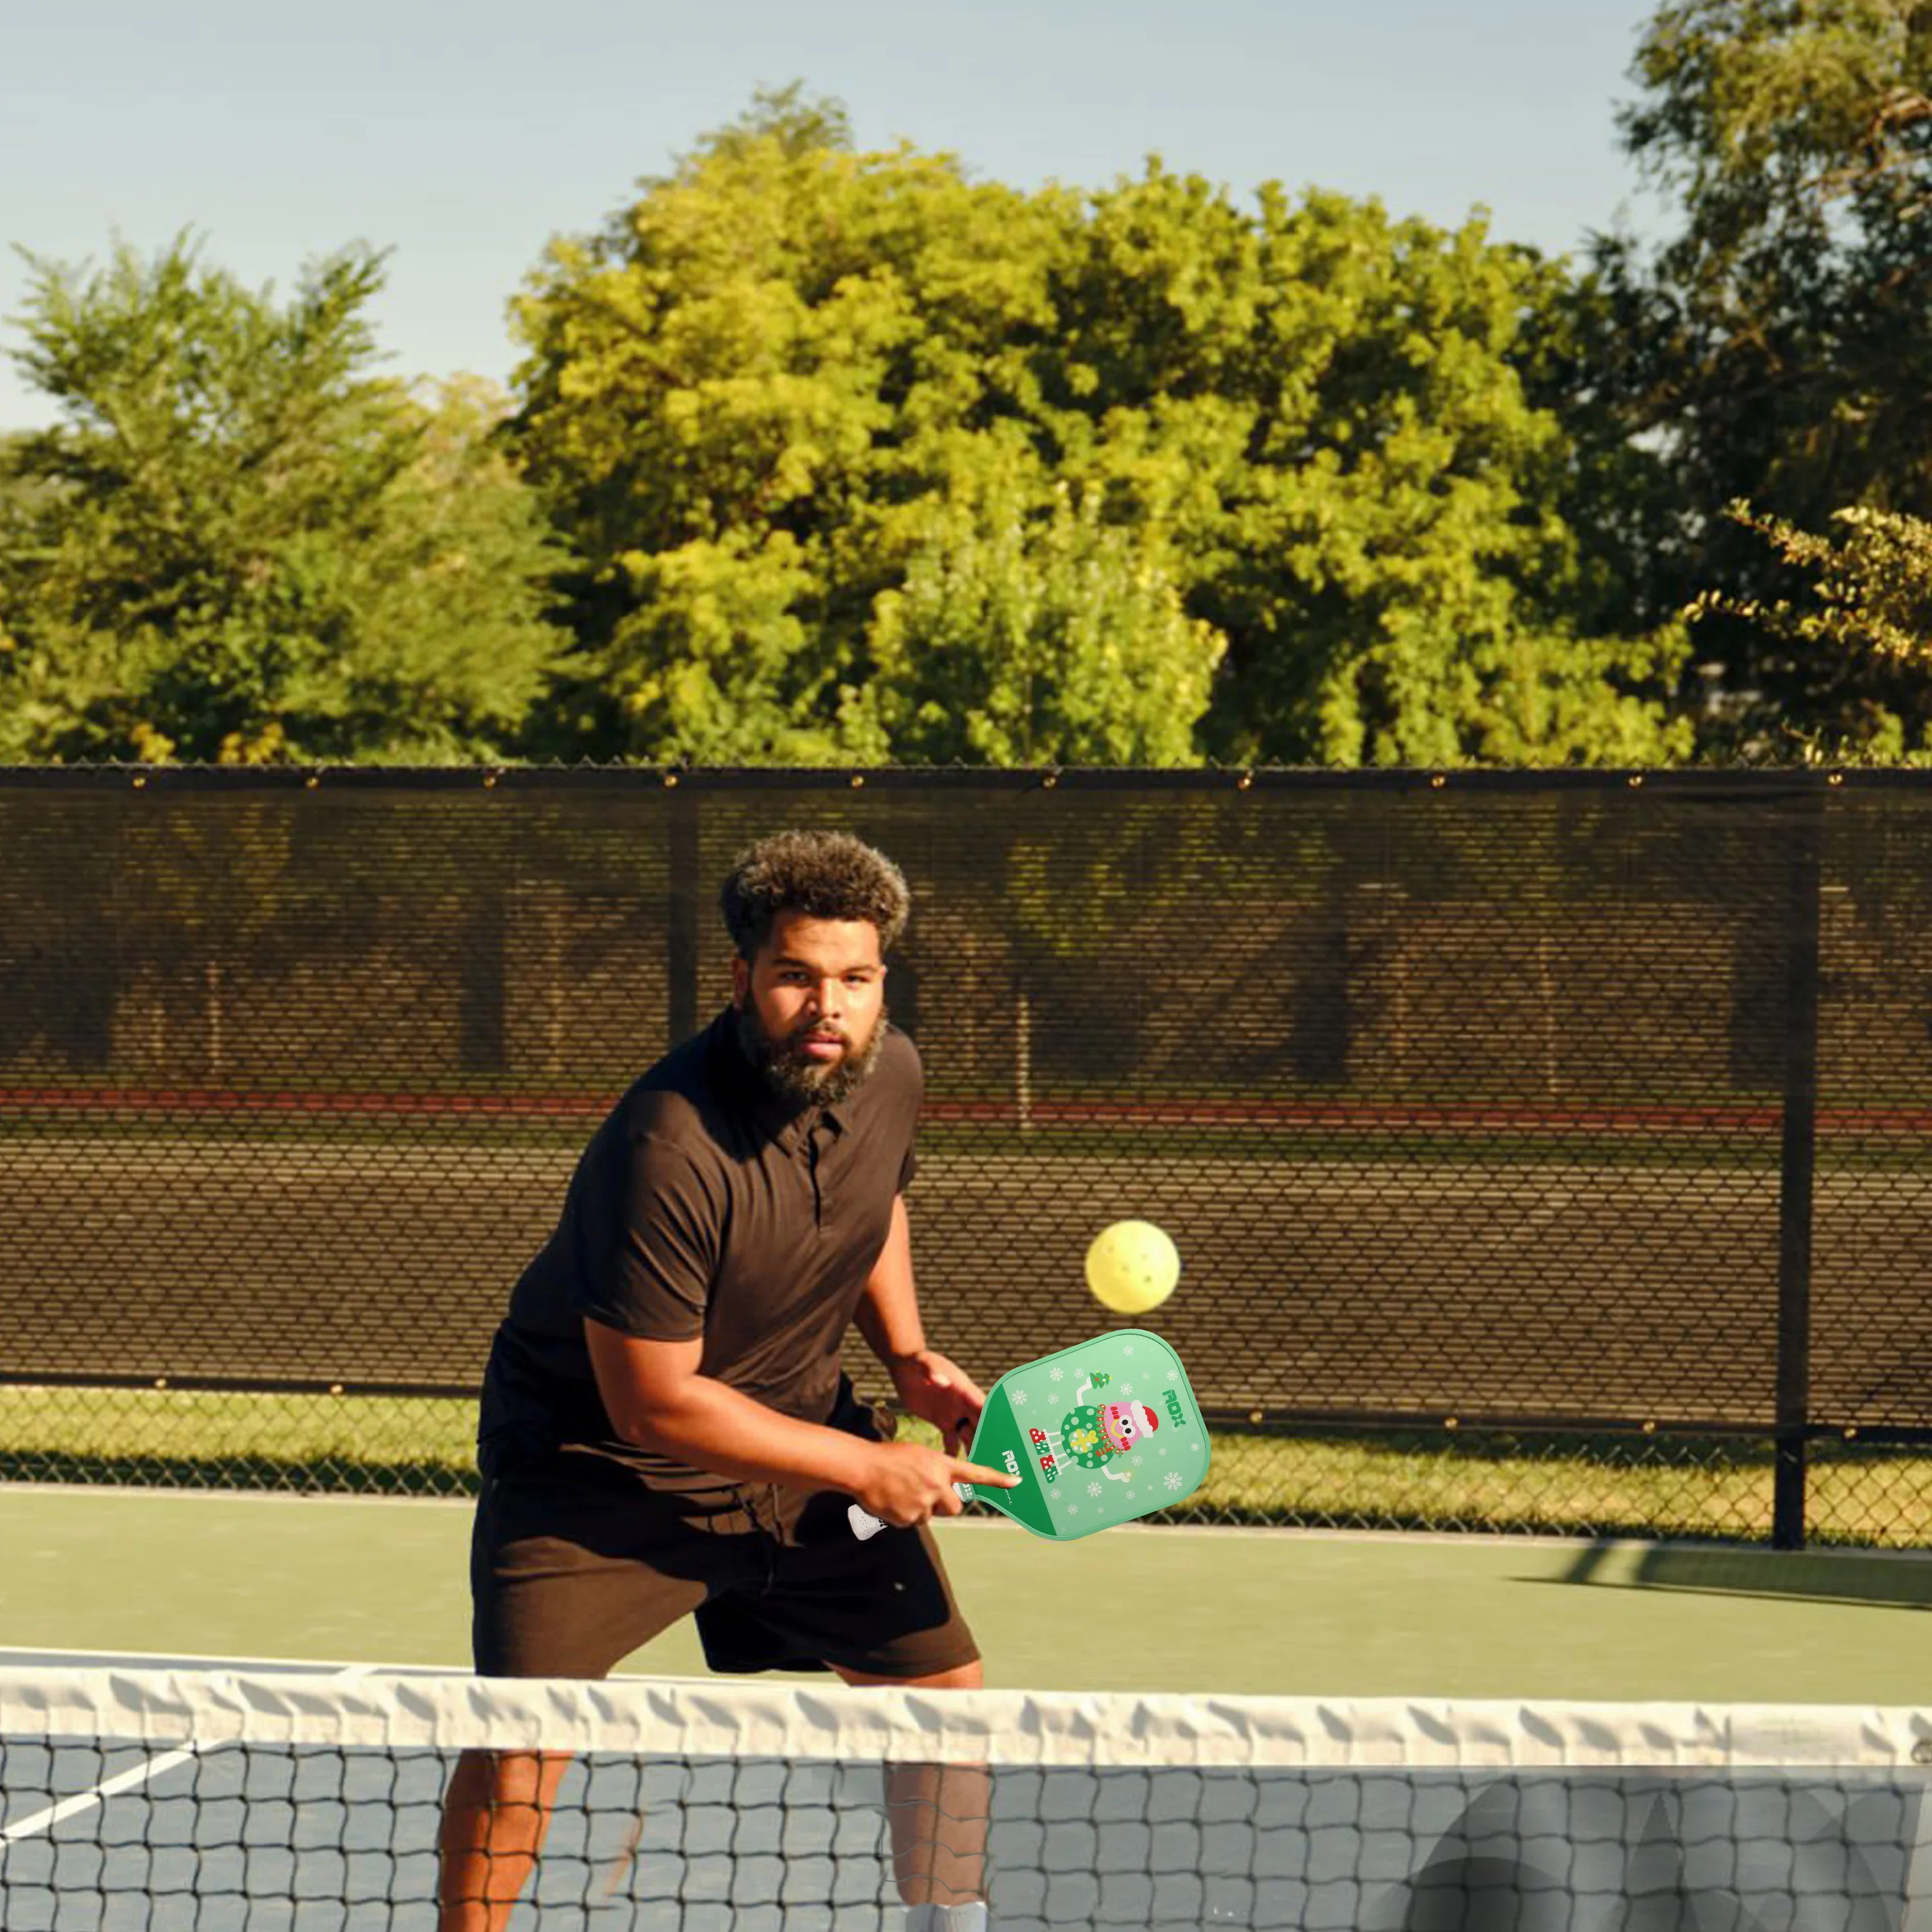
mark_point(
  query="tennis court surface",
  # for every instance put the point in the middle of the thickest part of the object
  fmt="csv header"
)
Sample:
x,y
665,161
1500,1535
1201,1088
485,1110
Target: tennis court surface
x,y
172,1793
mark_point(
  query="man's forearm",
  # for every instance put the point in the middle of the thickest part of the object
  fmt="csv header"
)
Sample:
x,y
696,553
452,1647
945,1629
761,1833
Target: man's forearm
x,y
714,1426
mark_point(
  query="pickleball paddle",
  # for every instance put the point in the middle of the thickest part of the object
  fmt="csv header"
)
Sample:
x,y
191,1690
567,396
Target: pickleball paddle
x,y
1099,1434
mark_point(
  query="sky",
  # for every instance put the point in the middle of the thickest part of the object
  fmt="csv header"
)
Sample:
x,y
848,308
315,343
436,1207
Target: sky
x,y
463,135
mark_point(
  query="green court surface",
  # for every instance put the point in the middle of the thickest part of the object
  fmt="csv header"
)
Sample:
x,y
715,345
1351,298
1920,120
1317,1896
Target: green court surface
x,y
1260,1612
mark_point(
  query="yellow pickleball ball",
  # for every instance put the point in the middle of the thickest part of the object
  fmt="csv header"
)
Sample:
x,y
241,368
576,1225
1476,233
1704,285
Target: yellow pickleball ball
x,y
1132,1267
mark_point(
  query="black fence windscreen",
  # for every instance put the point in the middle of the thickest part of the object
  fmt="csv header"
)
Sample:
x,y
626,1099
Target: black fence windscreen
x,y
1547,1150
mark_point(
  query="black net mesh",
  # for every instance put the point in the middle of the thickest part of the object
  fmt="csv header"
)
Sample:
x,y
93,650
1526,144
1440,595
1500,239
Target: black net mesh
x,y
163,1800
1552,1145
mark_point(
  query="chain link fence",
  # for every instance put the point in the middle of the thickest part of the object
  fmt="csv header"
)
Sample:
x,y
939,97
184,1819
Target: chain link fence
x,y
1545,1151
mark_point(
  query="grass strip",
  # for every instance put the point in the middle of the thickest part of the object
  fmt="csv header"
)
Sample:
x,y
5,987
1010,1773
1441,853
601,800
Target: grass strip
x,y
1425,1479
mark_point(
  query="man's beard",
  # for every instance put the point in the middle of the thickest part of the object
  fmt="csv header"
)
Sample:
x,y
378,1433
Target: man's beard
x,y
798,1081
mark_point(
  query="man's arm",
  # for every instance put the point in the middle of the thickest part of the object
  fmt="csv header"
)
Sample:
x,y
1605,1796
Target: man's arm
x,y
888,1312
929,1386
656,1399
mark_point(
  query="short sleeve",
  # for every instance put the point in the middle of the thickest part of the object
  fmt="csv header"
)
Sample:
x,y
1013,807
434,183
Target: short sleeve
x,y
662,1256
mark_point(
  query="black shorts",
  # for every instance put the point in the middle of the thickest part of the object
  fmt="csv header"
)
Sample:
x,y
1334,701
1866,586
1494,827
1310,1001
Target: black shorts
x,y
575,1562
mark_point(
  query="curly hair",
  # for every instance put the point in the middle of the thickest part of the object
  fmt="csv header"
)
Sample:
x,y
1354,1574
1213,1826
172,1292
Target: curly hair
x,y
825,875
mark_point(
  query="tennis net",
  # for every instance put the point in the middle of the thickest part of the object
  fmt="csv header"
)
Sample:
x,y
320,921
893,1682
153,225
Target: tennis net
x,y
299,1800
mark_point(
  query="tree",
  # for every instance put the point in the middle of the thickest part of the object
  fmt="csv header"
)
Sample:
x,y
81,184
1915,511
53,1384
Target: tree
x,y
743,400
238,545
1020,639
1778,349
1326,406
861,456
1863,623
1760,111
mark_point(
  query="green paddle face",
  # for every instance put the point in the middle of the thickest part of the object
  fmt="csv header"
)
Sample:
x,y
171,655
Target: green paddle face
x,y
1099,1434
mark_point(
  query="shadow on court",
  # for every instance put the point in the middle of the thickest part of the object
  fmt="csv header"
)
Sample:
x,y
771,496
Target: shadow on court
x,y
1888,1580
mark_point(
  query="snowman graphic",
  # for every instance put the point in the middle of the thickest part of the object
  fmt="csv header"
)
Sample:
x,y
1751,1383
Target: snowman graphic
x,y
1095,1432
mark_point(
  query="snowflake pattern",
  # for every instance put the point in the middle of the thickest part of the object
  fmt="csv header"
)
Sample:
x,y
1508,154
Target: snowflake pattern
x,y
1128,1350
1174,1375
1172,1479
1093,1488
1019,1398
1126,1388
1055,1375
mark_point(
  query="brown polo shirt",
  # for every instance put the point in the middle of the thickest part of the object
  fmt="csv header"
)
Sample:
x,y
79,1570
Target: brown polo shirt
x,y
705,1206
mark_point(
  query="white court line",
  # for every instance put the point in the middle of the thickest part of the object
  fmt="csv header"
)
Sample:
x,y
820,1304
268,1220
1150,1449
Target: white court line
x,y
96,1795
93,1798
36,1655
110,1660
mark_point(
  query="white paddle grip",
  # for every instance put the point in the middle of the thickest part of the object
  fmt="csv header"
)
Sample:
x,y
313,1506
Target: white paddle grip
x,y
865,1525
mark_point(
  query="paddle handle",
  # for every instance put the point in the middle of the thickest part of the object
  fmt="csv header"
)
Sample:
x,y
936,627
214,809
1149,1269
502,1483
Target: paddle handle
x,y
865,1525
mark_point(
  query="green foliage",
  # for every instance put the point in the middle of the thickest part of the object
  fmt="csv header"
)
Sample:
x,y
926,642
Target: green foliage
x,y
1036,640
239,545
1327,405
1865,623
1761,110
1018,642
866,459
1777,349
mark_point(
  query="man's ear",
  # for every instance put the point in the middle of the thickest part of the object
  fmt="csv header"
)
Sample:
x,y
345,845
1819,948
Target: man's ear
x,y
741,982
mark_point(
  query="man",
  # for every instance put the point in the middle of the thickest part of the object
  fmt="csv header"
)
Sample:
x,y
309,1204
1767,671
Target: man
x,y
665,1428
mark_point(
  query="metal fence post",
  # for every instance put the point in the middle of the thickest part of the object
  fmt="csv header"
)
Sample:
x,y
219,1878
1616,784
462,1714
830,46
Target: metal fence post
x,y
1797,1176
681,897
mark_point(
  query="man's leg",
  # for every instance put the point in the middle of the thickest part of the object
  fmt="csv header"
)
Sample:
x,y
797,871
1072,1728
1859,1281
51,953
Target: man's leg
x,y
937,1814
573,1566
495,1813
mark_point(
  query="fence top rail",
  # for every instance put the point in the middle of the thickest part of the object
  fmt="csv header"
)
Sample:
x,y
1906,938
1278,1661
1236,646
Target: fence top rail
x,y
1767,784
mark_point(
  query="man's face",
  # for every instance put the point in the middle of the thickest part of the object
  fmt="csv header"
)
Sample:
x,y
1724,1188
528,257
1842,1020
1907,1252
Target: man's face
x,y
810,1007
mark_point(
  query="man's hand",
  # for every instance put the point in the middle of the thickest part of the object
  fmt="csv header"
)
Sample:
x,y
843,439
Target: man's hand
x,y
941,1393
907,1483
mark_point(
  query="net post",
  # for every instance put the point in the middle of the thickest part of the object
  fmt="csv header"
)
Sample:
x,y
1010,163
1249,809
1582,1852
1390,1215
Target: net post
x,y
1797,1168
1023,1059
681,896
